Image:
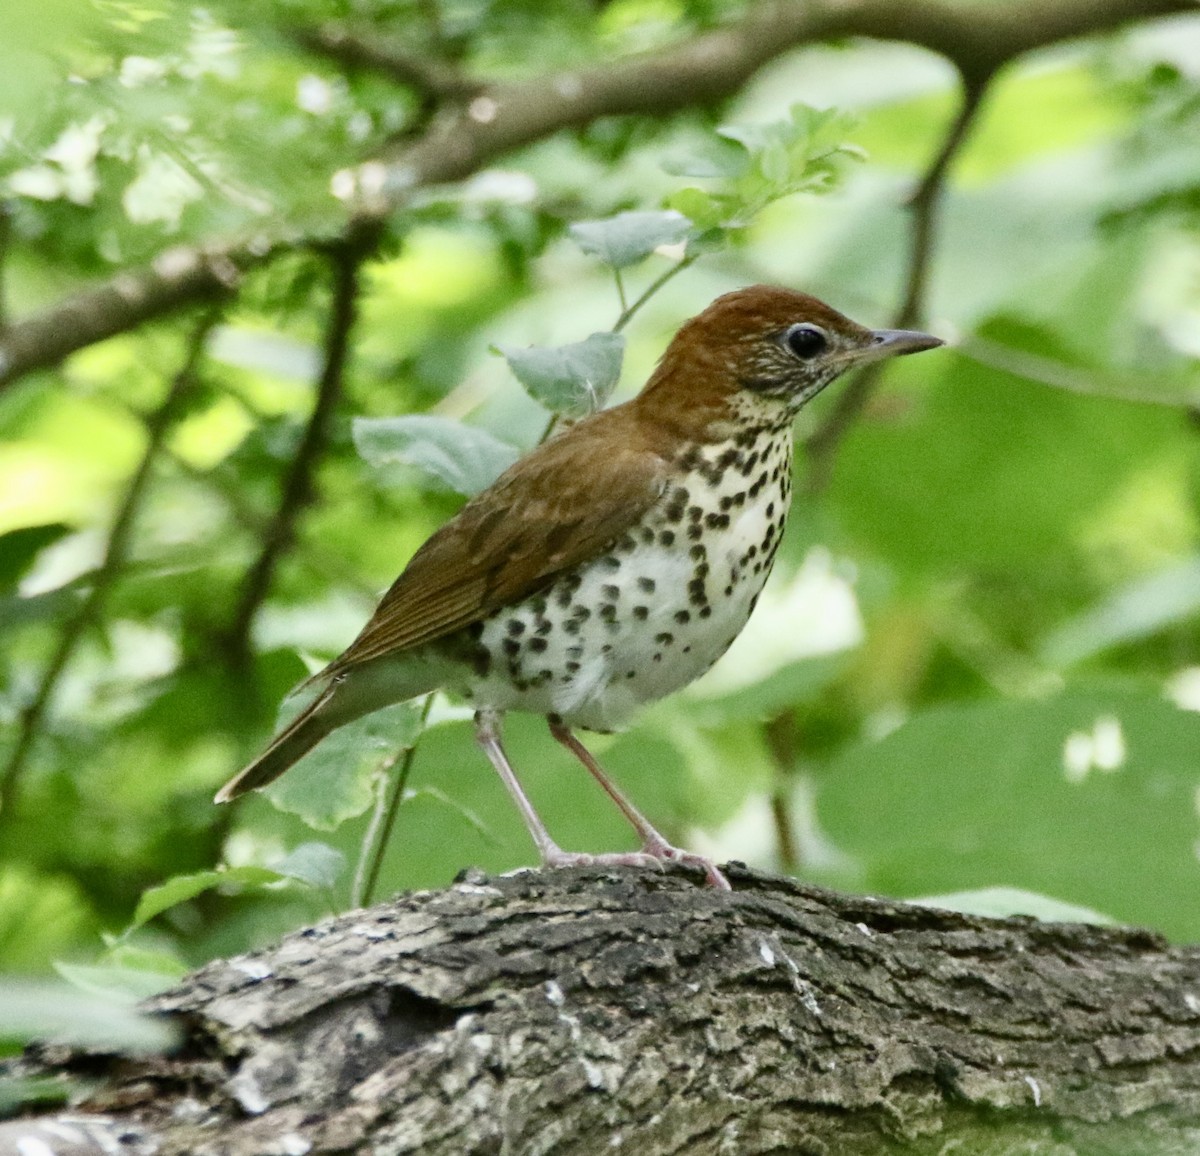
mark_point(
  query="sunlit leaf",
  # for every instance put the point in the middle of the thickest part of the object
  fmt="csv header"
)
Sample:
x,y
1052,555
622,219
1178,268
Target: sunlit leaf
x,y
317,864
181,888
629,237
59,1013
575,379
336,780
119,984
463,457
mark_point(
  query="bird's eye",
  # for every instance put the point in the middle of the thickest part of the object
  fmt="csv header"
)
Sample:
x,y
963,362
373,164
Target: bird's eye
x,y
806,341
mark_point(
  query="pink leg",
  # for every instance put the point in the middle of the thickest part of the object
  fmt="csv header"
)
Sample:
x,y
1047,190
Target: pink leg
x,y
652,842
487,734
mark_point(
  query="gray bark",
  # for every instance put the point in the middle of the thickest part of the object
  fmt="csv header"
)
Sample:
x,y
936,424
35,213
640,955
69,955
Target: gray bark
x,y
600,1011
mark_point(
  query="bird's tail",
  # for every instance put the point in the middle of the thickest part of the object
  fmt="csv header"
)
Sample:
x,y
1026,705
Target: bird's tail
x,y
299,737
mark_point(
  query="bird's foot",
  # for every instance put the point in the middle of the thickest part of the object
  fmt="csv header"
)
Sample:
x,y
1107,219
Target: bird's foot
x,y
560,858
666,852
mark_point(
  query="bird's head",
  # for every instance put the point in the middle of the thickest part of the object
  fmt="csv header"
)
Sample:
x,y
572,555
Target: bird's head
x,y
766,351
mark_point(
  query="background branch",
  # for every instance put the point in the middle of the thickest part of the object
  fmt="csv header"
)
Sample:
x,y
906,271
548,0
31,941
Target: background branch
x,y
850,401
503,117
298,483
431,79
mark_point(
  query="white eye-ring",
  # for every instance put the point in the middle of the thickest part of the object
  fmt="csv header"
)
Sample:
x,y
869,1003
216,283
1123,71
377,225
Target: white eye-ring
x,y
806,341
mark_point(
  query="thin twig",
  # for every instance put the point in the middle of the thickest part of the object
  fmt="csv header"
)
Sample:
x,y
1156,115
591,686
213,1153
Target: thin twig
x,y
783,742
852,398
6,232
112,566
298,485
432,79
383,819
628,313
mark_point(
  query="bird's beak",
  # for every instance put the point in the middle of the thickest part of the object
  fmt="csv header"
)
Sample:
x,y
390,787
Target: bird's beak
x,y
894,343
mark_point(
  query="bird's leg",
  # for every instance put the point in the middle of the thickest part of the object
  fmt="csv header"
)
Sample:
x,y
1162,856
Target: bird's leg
x,y
487,734
653,843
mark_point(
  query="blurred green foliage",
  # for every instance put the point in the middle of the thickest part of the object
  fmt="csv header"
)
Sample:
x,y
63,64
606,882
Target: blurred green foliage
x,y
978,664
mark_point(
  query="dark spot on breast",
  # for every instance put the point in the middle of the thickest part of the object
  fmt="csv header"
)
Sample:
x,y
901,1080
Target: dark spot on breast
x,y
695,513
647,535
641,613
612,593
511,646
581,612
658,656
475,631
667,538
705,611
544,626
727,502
682,616
537,645
697,552
770,509
631,674
572,626
701,570
538,605
716,521
728,591
646,584
575,651
664,639
695,532
611,562
628,542
608,612
572,667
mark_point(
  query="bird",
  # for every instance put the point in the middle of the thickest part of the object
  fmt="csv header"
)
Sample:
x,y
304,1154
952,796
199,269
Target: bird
x,y
611,565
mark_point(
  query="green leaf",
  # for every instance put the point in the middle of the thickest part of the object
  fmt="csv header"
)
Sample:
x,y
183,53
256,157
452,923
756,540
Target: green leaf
x,y
1137,610
18,549
156,900
314,863
58,1013
1089,795
575,379
463,457
705,210
1005,902
116,983
335,781
629,237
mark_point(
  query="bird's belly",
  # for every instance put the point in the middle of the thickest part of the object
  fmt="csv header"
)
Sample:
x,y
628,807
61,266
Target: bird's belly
x,y
641,621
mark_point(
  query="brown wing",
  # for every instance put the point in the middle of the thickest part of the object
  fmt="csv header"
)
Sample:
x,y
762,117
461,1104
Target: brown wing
x,y
559,506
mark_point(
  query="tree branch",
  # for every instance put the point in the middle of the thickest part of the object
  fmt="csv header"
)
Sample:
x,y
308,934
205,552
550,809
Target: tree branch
x,y
116,554
850,401
700,71
431,79
583,1011
298,484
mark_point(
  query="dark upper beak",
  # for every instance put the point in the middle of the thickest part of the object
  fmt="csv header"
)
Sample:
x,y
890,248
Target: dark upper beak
x,y
894,342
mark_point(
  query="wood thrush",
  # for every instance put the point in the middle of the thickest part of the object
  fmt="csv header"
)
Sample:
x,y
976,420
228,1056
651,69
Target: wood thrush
x,y
611,565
